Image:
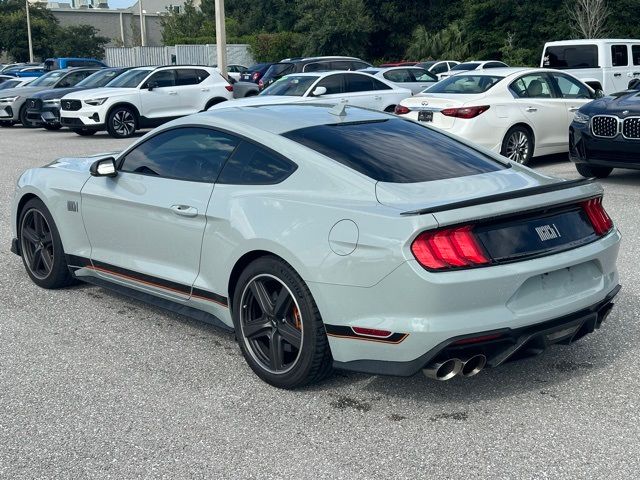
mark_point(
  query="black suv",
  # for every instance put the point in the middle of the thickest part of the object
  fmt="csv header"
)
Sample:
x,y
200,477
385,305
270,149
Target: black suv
x,y
309,64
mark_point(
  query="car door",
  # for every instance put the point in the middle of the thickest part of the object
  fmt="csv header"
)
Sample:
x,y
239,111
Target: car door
x,y
618,74
159,96
547,114
194,96
363,90
574,94
335,86
145,225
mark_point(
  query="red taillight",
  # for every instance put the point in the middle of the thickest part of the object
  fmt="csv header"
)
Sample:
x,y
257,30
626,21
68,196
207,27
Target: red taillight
x,y
401,110
371,332
598,216
464,112
450,248
260,84
229,88
255,76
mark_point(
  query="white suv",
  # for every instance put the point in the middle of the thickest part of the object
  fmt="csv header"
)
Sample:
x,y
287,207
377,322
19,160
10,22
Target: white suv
x,y
603,64
143,97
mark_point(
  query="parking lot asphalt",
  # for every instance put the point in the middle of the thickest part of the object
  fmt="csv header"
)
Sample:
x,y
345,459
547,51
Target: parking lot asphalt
x,y
95,385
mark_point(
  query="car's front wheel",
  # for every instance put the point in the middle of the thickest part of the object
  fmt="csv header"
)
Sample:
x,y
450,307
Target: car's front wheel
x,y
517,145
589,171
41,247
23,118
122,122
278,325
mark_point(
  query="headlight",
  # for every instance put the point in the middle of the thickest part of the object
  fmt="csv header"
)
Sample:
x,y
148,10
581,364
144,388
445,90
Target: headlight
x,y
8,99
581,118
96,101
52,103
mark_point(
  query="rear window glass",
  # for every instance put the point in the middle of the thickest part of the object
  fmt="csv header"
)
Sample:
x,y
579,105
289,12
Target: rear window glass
x,y
395,150
571,56
466,66
464,84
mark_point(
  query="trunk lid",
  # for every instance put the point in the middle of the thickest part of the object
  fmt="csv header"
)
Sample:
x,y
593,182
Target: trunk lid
x,y
432,102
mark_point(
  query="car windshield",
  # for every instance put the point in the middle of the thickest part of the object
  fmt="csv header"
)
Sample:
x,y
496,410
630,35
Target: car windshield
x,y
464,84
9,84
99,79
48,79
395,150
571,56
466,66
130,79
291,86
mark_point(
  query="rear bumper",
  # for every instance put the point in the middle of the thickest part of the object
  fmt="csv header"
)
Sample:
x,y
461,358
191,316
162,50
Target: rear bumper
x,y
615,152
503,346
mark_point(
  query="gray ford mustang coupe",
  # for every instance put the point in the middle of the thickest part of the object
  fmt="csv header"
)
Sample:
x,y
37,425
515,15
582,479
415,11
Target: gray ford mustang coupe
x,y
329,237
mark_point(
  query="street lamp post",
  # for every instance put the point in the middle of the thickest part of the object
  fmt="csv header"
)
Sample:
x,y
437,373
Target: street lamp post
x,y
142,26
29,32
221,38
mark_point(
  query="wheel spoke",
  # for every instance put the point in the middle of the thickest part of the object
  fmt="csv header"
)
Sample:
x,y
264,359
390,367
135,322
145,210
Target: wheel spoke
x,y
47,259
290,334
35,260
30,235
262,297
276,351
282,303
257,328
37,224
47,239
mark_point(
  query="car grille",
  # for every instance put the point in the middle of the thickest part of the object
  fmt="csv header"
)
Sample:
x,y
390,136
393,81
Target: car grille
x,y
631,127
71,105
604,126
71,122
34,104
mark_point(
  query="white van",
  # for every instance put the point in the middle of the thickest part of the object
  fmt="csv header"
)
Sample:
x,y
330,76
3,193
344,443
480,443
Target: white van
x,y
603,64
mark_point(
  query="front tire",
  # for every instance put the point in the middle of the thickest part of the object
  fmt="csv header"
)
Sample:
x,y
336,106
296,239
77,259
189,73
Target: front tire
x,y
518,145
278,325
41,247
122,122
23,118
589,171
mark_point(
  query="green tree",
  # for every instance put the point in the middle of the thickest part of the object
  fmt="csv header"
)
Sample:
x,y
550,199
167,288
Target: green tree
x,y
273,47
13,30
79,41
448,43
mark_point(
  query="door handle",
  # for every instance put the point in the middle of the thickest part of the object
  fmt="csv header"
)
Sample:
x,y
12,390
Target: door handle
x,y
574,109
617,74
184,210
204,89
531,109
172,93
377,97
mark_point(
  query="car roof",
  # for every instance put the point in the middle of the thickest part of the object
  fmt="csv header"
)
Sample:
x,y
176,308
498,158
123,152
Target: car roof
x,y
388,69
592,41
324,73
280,118
312,59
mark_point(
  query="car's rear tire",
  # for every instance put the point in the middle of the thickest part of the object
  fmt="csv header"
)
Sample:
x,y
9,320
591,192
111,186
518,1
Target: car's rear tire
x,y
41,247
589,171
122,122
518,145
278,325
23,118
84,132
52,127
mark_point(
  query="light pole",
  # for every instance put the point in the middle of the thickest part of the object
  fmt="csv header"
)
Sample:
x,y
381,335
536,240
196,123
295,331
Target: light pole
x,y
221,38
142,32
29,32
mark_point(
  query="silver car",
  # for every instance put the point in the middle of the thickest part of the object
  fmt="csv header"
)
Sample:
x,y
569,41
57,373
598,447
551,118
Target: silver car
x,y
329,237
415,79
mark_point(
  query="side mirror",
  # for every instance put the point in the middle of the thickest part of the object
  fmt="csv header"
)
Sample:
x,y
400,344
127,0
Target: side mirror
x,y
319,91
151,85
105,167
599,93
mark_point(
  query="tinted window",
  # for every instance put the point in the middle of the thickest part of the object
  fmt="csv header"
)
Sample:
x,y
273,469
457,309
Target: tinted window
x,y
466,66
359,65
378,85
358,83
343,65
191,154
130,79
619,55
532,86
495,65
395,150
422,76
635,54
465,84
253,165
440,68
99,79
570,87
186,77
398,76
317,67
72,79
571,56
165,78
278,69
333,84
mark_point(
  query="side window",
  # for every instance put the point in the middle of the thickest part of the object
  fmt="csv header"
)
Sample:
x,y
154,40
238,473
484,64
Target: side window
x,y
378,85
164,78
494,65
186,76
317,67
452,64
73,78
439,68
398,76
201,75
359,83
532,86
191,154
420,75
571,88
635,54
619,55
359,65
253,165
342,65
333,84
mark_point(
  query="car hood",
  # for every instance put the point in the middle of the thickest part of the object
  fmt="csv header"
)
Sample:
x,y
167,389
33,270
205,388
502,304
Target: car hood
x,y
54,93
79,164
21,91
614,104
102,92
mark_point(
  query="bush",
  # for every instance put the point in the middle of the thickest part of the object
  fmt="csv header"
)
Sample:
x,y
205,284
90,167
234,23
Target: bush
x,y
273,47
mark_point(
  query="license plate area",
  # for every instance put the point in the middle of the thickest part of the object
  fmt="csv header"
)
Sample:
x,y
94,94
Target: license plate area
x,y
425,116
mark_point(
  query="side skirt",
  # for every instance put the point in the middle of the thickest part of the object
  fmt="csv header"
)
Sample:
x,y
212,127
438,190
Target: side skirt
x,y
158,302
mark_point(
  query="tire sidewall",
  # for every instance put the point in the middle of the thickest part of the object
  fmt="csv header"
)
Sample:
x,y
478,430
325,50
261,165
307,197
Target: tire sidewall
x,y
511,131
23,117
308,310
112,114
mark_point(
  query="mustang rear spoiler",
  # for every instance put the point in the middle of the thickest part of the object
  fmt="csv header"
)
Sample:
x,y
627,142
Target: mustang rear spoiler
x,y
524,192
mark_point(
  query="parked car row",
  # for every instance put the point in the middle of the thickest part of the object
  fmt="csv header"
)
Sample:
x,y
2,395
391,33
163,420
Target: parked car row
x,y
39,69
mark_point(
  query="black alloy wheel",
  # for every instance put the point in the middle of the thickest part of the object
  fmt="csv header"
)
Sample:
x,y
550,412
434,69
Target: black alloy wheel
x,y
122,122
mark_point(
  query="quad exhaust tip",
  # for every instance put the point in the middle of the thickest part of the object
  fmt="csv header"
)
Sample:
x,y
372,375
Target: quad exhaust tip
x,y
447,369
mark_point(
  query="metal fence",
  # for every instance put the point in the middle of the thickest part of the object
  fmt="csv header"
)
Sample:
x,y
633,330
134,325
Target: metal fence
x,y
178,55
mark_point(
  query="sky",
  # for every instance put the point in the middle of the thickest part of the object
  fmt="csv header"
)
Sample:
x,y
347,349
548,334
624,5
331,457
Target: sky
x,y
121,3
